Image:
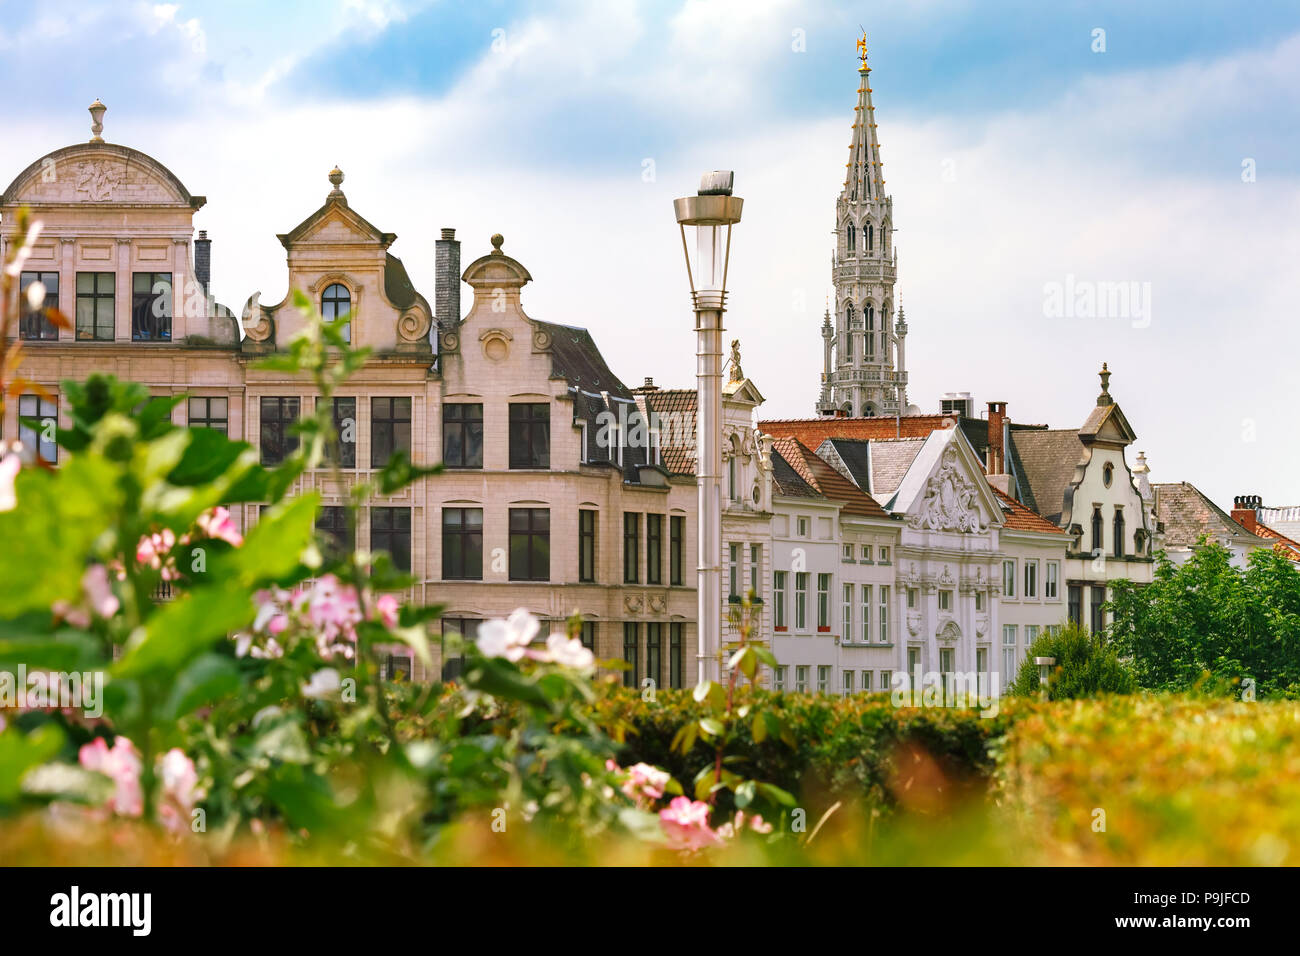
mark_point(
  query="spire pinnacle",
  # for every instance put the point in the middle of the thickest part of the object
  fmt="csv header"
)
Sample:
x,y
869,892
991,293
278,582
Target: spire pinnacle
x,y
862,52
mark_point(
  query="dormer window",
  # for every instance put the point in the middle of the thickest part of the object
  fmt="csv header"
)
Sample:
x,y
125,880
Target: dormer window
x,y
335,304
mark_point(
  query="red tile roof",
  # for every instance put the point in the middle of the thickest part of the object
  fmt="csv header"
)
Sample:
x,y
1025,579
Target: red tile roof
x,y
1023,518
813,431
818,473
1289,547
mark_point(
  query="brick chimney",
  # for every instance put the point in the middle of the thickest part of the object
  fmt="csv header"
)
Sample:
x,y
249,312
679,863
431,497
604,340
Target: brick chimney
x,y
996,457
649,386
446,275
1244,511
203,260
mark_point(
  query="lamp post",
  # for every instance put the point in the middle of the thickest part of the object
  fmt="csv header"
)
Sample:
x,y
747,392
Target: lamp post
x,y
1045,664
707,213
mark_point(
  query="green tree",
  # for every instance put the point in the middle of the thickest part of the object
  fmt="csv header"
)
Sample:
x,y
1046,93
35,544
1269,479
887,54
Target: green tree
x,y
1085,667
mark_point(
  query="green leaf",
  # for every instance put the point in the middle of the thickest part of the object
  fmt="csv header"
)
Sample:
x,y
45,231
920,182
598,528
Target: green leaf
x,y
207,456
775,794
276,544
20,752
712,726
398,472
185,627
759,729
744,794
207,678
502,679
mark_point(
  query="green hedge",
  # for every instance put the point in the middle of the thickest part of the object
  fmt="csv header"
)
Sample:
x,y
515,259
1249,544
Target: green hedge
x,y
858,749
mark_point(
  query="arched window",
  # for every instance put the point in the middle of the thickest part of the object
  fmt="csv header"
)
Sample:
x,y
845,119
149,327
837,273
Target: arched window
x,y
849,233
871,235
1097,526
336,303
1119,532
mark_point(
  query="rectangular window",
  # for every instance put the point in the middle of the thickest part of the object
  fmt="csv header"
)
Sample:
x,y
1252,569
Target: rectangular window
x,y
278,416
207,412
397,667
848,554
588,635
462,435
823,678
884,556
886,677
462,544
38,437
390,429
945,600
1008,579
95,294
151,307
803,527
32,323
1031,635
676,548
1051,586
453,667
866,614
848,612
946,657
653,650
1008,655
1074,604
911,598
778,678
884,614
801,600
1097,612
631,547
1031,579
982,685
586,546
755,566
733,571
632,675
823,602
778,600
390,530
866,553
530,544
979,600
342,451
332,523
530,435
801,679
675,651
848,683
654,549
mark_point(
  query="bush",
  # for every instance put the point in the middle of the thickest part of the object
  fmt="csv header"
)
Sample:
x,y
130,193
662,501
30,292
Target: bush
x,y
1085,667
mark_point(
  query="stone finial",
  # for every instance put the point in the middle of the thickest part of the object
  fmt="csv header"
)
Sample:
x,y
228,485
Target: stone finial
x,y
336,179
1104,398
736,374
497,241
97,110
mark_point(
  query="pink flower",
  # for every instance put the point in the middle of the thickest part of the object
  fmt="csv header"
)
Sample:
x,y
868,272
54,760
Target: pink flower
x,y
568,652
99,592
730,829
216,523
9,466
644,781
686,824
508,638
180,788
152,548
121,764
388,609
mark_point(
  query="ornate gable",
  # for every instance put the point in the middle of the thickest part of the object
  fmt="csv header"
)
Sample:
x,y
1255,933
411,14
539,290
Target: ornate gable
x,y
945,490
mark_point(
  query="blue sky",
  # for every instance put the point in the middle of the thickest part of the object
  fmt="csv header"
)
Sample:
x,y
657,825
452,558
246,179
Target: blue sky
x,y
1015,153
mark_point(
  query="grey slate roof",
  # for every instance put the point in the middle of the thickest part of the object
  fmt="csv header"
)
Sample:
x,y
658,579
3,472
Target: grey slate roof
x,y
1187,514
1048,457
890,460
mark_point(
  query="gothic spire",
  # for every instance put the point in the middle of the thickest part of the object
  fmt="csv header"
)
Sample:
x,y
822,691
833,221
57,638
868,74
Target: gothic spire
x,y
864,175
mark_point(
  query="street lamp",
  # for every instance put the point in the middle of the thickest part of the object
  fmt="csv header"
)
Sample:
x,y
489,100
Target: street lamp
x,y
1045,664
707,213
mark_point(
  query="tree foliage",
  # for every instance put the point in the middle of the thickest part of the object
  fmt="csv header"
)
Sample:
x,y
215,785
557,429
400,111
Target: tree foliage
x,y
1085,667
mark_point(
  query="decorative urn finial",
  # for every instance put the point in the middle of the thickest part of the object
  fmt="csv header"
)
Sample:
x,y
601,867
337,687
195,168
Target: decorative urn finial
x,y
336,179
1104,398
497,241
97,110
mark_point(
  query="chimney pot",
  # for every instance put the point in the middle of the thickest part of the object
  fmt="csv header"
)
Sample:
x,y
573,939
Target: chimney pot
x,y
446,286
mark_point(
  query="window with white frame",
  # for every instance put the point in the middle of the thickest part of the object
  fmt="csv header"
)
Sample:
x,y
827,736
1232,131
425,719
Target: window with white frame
x,y
1031,635
866,614
945,600
848,553
823,601
755,566
884,555
866,682
982,685
1051,587
778,678
911,599
886,679
1031,579
848,612
733,570
801,678
848,682
884,614
866,553
979,600
801,523
823,678
1008,655
1008,579
801,600
778,598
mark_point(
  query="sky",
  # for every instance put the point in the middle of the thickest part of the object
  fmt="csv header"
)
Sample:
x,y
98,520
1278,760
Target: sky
x,y
1024,151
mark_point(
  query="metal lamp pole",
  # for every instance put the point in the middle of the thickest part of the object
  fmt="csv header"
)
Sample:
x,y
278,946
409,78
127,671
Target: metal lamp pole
x,y
708,212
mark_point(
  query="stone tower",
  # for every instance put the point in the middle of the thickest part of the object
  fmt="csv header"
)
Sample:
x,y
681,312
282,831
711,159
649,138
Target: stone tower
x,y
865,373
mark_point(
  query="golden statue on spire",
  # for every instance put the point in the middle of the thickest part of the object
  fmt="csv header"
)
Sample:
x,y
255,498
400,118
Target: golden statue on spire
x,y
862,48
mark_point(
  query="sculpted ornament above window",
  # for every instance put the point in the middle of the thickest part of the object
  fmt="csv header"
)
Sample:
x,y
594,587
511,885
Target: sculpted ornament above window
x,y
96,180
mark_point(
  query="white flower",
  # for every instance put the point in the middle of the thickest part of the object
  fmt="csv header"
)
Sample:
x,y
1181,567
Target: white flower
x,y
570,652
509,638
324,685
